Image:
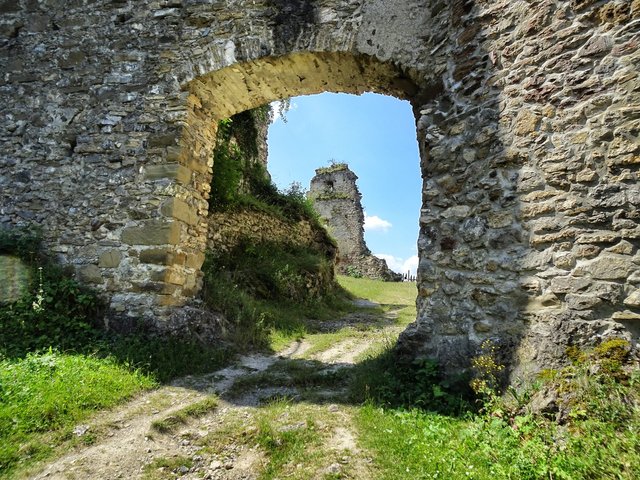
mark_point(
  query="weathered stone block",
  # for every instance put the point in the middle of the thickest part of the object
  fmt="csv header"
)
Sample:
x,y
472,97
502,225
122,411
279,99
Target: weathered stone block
x,y
89,274
606,267
162,288
526,122
152,232
569,284
175,277
194,260
156,256
581,302
626,315
599,237
623,248
168,170
15,276
170,300
633,300
176,208
110,259
609,291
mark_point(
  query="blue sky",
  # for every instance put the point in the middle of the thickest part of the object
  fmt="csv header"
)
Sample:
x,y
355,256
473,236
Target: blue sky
x,y
376,136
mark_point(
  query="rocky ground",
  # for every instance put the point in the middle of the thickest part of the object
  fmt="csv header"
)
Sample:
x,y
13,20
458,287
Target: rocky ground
x,y
299,394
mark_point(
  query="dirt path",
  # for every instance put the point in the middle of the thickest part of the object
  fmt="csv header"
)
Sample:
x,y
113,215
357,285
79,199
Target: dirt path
x,y
225,442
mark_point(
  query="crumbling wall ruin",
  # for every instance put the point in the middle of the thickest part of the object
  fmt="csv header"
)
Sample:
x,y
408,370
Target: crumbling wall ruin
x,y
527,120
336,198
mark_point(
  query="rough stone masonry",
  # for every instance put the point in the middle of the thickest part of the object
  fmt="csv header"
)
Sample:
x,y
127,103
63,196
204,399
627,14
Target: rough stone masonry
x,y
527,117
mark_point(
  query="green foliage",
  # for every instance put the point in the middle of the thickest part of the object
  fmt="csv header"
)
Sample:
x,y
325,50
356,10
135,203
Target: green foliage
x,y
262,287
333,167
593,434
241,181
57,312
419,384
228,164
163,358
50,391
353,271
21,242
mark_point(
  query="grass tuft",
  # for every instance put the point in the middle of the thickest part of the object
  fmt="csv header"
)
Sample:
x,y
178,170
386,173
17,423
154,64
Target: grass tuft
x,y
170,423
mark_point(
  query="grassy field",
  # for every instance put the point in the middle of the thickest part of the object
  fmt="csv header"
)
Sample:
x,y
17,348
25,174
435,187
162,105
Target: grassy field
x,y
44,396
415,426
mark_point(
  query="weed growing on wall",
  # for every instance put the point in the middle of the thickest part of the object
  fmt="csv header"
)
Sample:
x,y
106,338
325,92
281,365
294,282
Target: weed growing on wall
x,y
54,310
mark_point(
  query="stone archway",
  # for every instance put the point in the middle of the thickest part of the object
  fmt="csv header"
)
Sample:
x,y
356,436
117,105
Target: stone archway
x,y
244,86
526,124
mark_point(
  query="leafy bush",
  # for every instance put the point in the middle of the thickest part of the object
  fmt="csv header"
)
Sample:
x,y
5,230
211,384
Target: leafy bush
x,y
54,311
265,286
384,381
240,180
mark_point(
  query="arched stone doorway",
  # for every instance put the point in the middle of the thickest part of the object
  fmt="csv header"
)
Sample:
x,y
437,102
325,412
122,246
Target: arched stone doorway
x,y
231,90
526,124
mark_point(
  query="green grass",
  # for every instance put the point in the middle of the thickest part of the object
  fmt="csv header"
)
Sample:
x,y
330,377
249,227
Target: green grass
x,y
167,468
271,292
597,435
416,444
287,444
385,293
45,395
181,417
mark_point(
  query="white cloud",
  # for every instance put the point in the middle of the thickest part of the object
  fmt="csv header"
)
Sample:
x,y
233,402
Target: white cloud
x,y
374,222
400,265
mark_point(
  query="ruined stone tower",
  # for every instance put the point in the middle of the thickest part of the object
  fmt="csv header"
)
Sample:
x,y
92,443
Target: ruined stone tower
x,y
336,198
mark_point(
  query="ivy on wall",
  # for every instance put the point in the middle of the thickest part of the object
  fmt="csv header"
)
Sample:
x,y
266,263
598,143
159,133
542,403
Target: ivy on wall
x,y
241,180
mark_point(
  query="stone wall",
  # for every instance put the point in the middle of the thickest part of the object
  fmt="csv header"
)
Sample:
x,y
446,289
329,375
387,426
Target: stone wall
x,y
336,198
229,229
529,231
527,120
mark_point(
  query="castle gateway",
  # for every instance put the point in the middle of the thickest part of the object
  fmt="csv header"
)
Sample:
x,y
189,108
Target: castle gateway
x,y
527,117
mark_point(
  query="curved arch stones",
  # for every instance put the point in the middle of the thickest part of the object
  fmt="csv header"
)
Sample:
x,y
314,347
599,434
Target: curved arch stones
x,y
527,120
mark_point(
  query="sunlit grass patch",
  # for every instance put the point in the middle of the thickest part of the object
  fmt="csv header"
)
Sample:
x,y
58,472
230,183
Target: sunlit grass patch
x,y
297,441
388,293
51,392
182,416
167,468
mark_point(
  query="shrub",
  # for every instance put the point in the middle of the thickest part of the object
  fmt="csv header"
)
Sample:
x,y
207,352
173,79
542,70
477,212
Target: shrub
x,y
54,311
266,286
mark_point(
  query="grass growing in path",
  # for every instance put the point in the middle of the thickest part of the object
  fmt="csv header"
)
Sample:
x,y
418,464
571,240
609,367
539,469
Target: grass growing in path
x,y
48,394
181,417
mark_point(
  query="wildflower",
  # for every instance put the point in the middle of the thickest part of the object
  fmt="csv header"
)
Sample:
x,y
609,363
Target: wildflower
x,y
37,303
